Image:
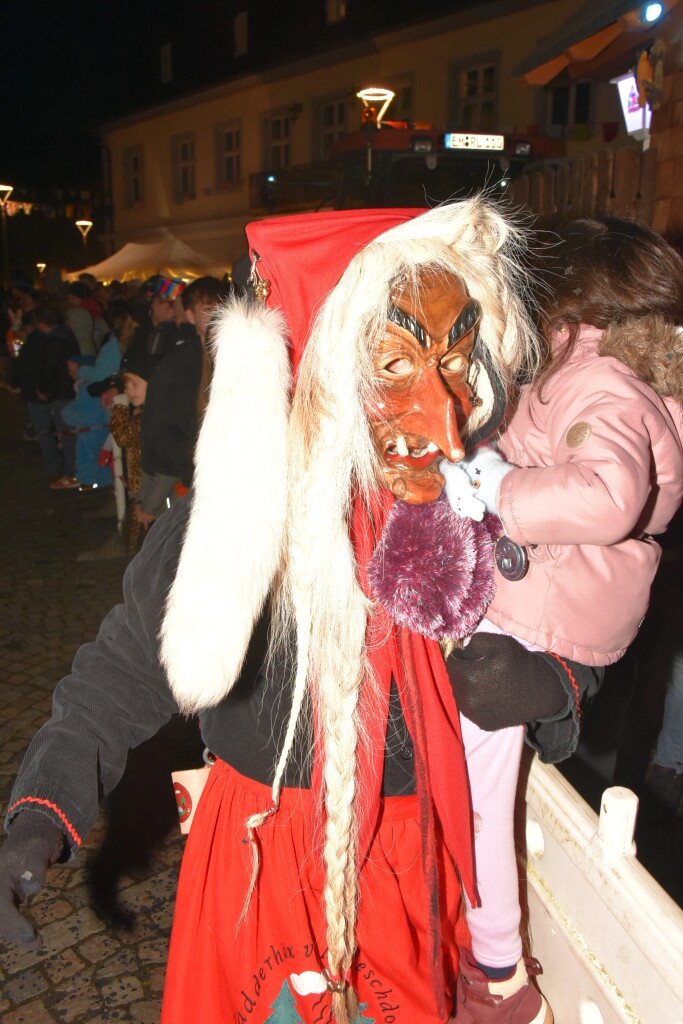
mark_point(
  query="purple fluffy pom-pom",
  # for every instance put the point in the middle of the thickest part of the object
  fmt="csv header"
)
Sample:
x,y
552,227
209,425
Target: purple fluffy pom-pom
x,y
433,570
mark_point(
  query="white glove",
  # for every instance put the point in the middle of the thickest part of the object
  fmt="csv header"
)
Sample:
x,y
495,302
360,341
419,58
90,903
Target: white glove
x,y
461,496
486,468
121,399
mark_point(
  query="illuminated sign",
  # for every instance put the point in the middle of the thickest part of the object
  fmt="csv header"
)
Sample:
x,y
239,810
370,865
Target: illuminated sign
x,y
636,118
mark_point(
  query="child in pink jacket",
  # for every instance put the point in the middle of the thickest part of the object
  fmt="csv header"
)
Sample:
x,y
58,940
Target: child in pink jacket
x,y
587,473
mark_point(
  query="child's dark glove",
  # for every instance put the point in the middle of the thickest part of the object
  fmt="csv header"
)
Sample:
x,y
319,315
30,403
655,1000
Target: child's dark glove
x,y
33,844
497,682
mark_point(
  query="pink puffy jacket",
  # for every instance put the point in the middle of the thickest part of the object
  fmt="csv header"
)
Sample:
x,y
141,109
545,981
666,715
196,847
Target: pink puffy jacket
x,y
605,472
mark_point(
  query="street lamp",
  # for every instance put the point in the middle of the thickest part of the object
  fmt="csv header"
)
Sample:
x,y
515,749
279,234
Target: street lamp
x,y
375,95
371,118
5,193
84,227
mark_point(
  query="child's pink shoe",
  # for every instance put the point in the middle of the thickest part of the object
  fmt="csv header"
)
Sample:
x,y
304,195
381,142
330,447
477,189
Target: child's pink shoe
x,y
512,1000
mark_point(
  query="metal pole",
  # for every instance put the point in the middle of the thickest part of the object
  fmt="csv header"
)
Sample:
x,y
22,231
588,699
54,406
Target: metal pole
x,y
84,227
5,250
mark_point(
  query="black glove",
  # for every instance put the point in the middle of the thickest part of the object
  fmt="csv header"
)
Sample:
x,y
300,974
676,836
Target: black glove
x,y
497,682
33,844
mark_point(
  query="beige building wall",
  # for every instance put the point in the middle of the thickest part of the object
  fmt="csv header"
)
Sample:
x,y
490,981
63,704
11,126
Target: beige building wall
x,y
423,63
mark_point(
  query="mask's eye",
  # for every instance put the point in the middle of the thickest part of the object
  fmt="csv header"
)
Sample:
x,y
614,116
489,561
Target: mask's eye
x,y
398,367
455,362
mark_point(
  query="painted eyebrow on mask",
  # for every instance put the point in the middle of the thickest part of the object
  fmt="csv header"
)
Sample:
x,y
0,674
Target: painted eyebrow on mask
x,y
467,318
408,323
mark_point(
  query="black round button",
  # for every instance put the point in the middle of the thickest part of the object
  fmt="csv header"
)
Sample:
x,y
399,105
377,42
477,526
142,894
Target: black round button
x,y
511,559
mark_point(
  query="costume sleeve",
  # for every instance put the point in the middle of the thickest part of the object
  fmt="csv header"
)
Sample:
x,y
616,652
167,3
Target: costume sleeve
x,y
556,738
598,481
115,697
154,492
106,363
122,426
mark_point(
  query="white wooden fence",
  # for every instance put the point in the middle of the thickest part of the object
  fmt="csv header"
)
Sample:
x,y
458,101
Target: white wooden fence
x,y
609,937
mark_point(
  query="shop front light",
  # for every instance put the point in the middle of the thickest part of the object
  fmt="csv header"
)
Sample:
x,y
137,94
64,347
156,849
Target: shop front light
x,y
652,12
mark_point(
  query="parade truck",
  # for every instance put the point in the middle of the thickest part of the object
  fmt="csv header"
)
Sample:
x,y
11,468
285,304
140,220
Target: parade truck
x,y
387,163
405,163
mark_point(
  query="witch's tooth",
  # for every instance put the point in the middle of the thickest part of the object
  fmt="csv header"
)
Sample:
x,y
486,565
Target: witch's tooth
x,y
401,446
431,447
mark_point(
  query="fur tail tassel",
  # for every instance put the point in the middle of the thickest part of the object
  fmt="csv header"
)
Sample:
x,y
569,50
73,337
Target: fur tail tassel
x,y
234,539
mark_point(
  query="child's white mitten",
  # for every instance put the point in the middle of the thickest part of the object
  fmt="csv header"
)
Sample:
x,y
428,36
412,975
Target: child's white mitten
x,y
461,497
486,468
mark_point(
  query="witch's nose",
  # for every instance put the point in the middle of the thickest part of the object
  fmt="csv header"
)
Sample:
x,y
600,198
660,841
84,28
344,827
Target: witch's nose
x,y
437,406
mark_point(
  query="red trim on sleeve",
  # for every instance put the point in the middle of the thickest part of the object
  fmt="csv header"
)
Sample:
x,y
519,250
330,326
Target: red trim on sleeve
x,y
572,680
53,807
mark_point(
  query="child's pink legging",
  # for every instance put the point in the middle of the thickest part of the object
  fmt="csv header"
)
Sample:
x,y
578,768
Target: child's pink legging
x,y
493,767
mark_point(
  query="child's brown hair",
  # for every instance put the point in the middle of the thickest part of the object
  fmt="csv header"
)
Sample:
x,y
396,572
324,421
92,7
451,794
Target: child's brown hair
x,y
626,280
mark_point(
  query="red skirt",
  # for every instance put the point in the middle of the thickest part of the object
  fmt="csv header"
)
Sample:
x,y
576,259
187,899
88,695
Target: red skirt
x,y
269,970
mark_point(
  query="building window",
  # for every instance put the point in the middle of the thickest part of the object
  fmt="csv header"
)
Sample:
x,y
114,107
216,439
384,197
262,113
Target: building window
x,y
183,167
582,102
229,154
474,94
332,116
133,176
335,10
334,124
166,63
477,97
277,142
402,104
559,105
570,106
240,34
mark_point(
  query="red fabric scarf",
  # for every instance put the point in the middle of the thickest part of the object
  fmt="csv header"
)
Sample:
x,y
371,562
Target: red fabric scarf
x,y
414,660
418,666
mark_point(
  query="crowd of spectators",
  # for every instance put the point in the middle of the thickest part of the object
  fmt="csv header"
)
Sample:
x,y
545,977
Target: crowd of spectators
x,y
77,352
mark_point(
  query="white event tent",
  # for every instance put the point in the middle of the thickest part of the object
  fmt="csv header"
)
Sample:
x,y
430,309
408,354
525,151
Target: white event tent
x,y
168,256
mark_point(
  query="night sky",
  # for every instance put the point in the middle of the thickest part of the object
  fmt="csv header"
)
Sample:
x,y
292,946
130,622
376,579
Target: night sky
x,y
67,67
63,70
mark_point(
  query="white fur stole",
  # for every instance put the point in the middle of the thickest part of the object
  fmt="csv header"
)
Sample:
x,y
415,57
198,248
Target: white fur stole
x,y
233,543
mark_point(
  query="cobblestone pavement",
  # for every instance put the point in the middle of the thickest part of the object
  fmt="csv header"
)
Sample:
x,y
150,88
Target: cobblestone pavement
x,y
106,967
